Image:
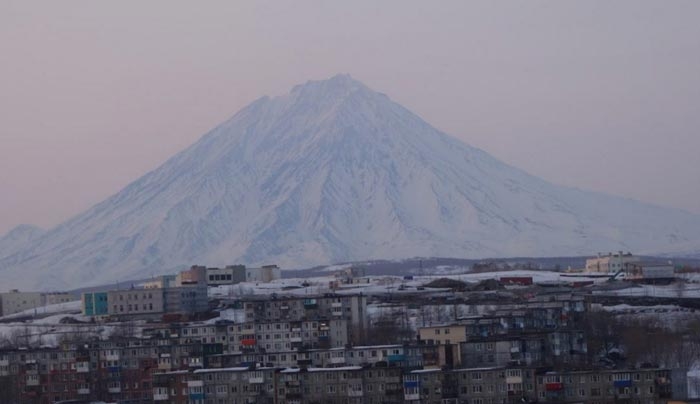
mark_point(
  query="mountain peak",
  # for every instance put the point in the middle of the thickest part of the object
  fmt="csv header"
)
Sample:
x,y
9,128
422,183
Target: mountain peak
x,y
331,172
338,85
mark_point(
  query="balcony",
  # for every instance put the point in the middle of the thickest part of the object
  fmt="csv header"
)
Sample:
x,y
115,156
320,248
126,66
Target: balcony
x,y
195,362
622,383
411,396
310,304
160,397
553,387
396,358
83,391
337,360
256,379
248,342
355,393
82,367
114,390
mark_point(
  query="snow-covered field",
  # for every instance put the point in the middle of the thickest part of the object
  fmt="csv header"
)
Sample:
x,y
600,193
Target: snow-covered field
x,y
380,284
68,308
47,325
674,290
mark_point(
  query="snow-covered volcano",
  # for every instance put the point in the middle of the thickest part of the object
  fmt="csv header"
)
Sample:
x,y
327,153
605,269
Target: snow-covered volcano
x,y
330,172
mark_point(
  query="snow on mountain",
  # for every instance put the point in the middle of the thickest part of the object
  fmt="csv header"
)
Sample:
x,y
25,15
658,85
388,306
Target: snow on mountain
x,y
17,238
332,172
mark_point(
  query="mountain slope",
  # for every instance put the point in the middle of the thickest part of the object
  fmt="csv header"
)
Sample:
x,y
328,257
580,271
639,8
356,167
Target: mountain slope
x,y
17,238
333,171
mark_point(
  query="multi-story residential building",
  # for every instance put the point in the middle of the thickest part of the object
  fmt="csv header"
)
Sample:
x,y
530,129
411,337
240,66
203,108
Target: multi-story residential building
x,y
443,334
168,369
423,386
546,348
341,385
352,308
278,336
604,386
232,385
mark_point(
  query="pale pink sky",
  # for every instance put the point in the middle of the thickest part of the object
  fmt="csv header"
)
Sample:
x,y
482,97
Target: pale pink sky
x,y
593,94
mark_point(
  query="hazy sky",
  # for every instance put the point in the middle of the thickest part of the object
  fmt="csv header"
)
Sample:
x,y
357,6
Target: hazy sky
x,y
600,95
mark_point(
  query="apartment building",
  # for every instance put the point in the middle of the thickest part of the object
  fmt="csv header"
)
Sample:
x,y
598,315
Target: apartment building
x,y
277,336
352,308
232,386
166,369
605,386
350,384
545,348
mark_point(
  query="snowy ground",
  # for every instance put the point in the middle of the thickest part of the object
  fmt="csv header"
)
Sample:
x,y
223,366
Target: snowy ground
x,y
381,284
46,329
674,290
68,308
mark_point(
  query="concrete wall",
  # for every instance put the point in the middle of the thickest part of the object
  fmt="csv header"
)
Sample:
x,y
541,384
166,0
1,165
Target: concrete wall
x,y
135,302
14,301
